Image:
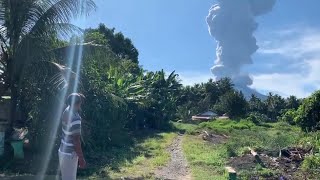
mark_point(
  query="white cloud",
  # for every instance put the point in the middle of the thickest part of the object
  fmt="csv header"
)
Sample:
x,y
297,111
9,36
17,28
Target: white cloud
x,y
302,47
193,77
283,84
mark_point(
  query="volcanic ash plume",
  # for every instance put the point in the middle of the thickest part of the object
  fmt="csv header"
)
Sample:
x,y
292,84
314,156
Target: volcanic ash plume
x,y
232,23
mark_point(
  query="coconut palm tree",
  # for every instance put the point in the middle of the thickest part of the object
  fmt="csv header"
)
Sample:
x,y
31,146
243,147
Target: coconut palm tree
x,y
26,27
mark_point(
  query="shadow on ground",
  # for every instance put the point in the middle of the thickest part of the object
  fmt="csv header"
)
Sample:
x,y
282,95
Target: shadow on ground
x,y
114,159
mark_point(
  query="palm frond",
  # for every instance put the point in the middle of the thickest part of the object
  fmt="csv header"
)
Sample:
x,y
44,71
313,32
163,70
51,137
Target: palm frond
x,y
57,76
62,52
51,12
66,29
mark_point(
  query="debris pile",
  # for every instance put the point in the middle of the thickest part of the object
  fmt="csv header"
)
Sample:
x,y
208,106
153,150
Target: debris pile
x,y
286,164
294,154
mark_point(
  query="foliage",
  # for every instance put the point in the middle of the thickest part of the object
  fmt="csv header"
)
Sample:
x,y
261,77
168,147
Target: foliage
x,y
311,162
202,97
292,102
311,139
105,113
289,116
233,104
257,105
26,37
117,42
275,104
184,113
38,103
308,114
226,126
162,98
258,118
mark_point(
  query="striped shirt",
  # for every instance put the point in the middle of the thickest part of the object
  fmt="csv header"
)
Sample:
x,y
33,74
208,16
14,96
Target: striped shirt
x,y
69,128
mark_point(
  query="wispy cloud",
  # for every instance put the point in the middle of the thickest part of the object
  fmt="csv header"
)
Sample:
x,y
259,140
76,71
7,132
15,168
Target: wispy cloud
x,y
193,77
300,46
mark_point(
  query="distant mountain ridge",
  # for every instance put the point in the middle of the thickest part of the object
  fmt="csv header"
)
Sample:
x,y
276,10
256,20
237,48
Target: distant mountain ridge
x,y
247,92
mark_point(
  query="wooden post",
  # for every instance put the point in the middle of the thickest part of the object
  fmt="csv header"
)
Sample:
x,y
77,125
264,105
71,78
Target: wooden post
x,y
256,156
232,174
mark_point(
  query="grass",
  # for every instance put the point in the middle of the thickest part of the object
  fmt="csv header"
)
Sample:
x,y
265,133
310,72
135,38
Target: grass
x,y
206,160
227,126
146,157
185,128
148,151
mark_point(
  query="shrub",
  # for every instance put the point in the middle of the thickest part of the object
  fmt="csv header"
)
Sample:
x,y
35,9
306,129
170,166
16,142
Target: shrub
x,y
289,116
183,113
311,140
311,162
105,117
258,118
308,114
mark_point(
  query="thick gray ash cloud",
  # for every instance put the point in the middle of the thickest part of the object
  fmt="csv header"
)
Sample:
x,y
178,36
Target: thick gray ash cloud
x,y
232,23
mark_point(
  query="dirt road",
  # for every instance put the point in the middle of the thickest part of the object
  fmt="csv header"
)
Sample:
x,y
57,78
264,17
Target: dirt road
x,y
177,168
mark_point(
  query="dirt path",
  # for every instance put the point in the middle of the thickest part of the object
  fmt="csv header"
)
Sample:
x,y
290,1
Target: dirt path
x,y
177,168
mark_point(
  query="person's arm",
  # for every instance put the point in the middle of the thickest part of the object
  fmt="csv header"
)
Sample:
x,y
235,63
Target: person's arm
x,y
78,149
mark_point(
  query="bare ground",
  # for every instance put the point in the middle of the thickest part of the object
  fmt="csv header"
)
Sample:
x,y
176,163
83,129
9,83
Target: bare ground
x,y
177,168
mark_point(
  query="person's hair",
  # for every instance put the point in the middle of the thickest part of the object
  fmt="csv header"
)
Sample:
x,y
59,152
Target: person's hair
x,y
75,98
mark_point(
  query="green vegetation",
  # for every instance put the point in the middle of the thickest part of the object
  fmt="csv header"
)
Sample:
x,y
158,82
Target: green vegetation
x,y
124,100
207,161
140,161
28,34
308,114
232,103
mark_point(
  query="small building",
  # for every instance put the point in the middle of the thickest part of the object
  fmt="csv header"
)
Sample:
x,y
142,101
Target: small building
x,y
224,116
205,116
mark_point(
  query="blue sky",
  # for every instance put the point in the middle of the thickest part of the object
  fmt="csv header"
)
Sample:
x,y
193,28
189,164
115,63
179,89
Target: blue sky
x,y
173,35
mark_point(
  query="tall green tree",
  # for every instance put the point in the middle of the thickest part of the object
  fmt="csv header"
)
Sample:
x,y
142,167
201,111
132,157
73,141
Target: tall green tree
x,y
233,103
119,44
225,85
162,97
292,102
256,105
275,105
26,26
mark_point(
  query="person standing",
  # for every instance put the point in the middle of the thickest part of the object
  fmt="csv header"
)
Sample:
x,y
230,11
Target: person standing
x,y
70,151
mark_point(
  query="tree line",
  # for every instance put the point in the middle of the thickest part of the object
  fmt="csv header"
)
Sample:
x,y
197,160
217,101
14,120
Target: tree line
x,y
121,96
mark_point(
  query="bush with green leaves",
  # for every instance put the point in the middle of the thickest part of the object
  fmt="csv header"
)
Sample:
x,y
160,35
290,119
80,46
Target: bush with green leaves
x,y
289,116
311,162
308,114
258,118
